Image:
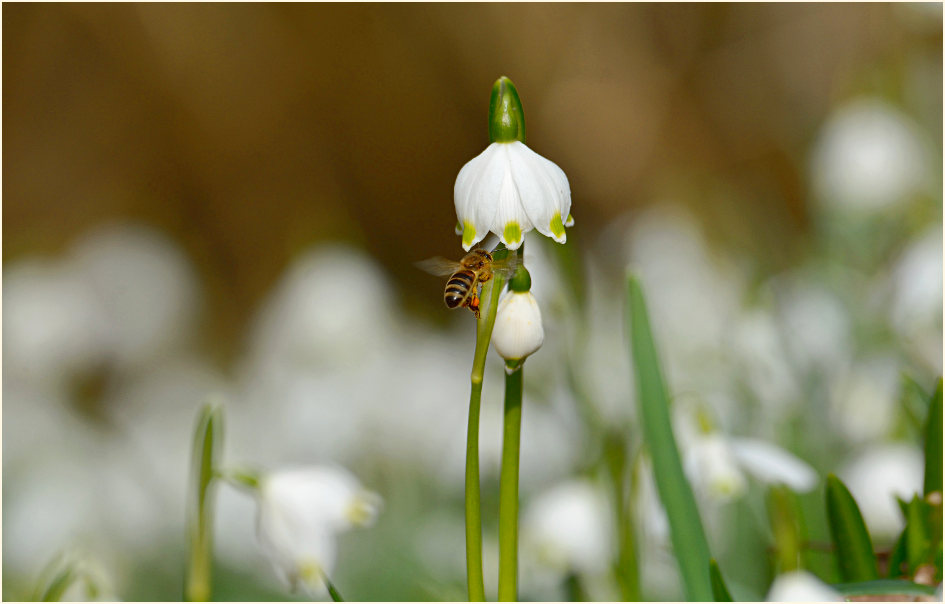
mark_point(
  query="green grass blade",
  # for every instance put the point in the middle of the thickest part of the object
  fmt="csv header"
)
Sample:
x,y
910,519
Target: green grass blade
x,y
883,587
720,592
918,542
851,540
933,443
688,537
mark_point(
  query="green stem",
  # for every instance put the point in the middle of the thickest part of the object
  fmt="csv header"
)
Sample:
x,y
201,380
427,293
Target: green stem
x,y
508,486
207,436
626,568
490,297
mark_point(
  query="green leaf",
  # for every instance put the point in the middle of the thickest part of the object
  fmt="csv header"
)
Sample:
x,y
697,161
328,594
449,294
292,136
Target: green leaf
x,y
719,591
333,591
686,532
918,544
898,566
883,587
933,443
203,469
854,549
58,585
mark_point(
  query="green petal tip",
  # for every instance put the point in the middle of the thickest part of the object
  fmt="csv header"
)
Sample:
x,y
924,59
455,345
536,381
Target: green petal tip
x,y
557,228
512,233
469,234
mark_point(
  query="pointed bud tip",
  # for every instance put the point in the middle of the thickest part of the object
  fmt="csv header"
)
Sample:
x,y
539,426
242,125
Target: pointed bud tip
x,y
506,116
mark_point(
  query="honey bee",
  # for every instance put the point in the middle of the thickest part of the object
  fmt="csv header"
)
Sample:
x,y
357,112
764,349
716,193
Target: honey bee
x,y
465,276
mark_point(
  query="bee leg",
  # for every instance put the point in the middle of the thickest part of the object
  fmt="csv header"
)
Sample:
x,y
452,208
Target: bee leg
x,y
474,305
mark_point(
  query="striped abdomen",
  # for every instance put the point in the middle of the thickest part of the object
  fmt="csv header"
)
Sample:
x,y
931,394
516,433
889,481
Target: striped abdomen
x,y
458,288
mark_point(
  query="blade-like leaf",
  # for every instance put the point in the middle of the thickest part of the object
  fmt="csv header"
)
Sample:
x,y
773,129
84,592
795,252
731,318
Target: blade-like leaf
x,y
933,443
688,538
918,544
851,540
720,592
883,587
898,566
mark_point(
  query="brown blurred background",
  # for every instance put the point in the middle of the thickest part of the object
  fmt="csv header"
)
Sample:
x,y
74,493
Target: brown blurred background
x,y
248,132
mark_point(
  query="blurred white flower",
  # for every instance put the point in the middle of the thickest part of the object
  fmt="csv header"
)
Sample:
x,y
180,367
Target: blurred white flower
x,y
53,326
692,294
712,468
759,349
771,464
915,285
301,511
145,285
518,330
716,464
868,156
509,189
864,397
569,528
331,308
876,477
801,586
815,325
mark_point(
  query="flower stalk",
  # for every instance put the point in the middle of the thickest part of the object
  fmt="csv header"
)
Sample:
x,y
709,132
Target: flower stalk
x,y
508,483
206,445
491,291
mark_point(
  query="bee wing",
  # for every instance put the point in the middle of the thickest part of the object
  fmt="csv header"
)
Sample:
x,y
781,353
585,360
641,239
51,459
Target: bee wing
x,y
439,266
506,268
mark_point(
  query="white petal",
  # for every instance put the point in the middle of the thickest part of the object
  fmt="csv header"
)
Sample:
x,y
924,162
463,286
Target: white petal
x,y
542,186
801,586
711,466
771,463
510,209
475,194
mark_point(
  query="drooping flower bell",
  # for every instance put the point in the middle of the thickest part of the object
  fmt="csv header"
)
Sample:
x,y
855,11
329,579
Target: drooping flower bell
x,y
518,331
509,189
301,511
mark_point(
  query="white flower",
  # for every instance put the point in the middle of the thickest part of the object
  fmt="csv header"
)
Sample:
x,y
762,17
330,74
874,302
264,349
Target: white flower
x,y
518,331
570,529
869,156
509,189
716,463
301,511
876,477
801,586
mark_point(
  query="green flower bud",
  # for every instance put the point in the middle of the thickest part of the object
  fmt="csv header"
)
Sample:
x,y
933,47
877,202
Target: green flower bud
x,y
506,116
521,281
